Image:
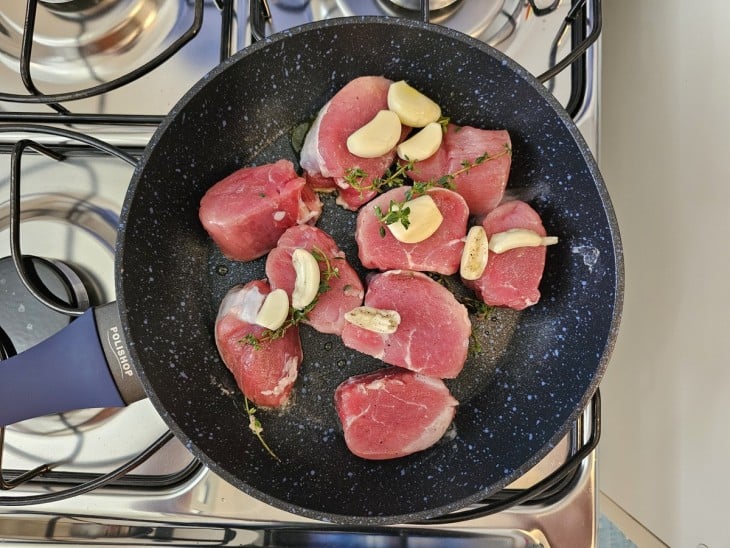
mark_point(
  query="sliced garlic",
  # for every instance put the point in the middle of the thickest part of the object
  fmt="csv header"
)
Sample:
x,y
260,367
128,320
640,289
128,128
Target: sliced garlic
x,y
374,319
377,137
475,254
413,107
422,145
424,219
306,285
518,237
274,310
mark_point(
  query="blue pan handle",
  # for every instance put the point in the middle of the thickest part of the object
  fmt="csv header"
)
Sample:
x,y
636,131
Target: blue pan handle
x,y
85,365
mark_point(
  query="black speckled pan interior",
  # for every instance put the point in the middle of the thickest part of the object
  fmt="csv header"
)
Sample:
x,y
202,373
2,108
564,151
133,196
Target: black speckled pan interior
x,y
518,397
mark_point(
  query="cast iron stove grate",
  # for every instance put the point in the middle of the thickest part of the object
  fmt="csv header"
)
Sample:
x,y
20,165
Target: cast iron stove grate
x,y
549,488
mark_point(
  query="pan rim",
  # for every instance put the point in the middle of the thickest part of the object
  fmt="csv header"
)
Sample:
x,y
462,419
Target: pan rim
x,y
591,164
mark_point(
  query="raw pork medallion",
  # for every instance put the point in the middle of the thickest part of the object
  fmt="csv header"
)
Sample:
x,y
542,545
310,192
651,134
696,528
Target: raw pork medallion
x,y
345,289
440,252
434,330
512,278
482,186
325,157
246,212
393,412
265,372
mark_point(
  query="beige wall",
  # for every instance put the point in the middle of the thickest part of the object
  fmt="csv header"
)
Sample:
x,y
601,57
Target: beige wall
x,y
665,155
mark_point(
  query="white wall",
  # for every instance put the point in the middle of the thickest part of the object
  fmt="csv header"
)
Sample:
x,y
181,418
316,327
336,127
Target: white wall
x,y
665,155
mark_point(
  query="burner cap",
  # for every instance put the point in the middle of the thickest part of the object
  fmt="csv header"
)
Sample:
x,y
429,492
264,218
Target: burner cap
x,y
433,5
77,8
91,41
471,18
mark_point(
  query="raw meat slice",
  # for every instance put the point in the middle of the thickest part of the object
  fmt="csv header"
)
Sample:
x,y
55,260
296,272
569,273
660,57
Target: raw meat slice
x,y
433,335
265,372
441,252
324,154
482,186
246,212
512,278
393,412
345,290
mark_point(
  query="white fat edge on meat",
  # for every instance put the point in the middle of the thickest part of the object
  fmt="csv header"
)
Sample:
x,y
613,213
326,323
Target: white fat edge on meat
x,y
386,336
305,214
435,383
361,389
440,424
310,159
381,384
364,390
354,418
383,338
407,356
350,290
437,251
432,432
341,202
291,364
243,302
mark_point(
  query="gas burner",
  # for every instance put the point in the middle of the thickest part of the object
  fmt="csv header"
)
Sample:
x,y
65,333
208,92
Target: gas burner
x,y
433,5
469,17
440,12
78,41
76,235
79,282
25,321
77,8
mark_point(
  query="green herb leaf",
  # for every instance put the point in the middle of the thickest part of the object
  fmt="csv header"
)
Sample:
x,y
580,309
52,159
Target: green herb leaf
x,y
254,424
297,316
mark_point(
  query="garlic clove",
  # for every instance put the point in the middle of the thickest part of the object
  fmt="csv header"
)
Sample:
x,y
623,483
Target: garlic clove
x,y
424,219
274,310
413,108
475,254
422,145
306,285
374,319
379,136
518,237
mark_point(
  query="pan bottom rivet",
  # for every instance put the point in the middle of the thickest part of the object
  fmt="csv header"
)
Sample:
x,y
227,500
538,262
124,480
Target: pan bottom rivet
x,y
221,270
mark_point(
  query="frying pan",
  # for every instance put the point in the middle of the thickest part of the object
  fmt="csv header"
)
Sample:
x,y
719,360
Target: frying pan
x,y
518,396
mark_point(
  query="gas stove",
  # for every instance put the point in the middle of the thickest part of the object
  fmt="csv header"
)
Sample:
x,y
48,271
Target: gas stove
x,y
117,476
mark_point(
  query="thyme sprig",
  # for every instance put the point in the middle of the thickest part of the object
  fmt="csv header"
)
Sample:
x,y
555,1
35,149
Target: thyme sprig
x,y
295,317
298,315
447,181
398,211
392,178
474,306
329,271
254,424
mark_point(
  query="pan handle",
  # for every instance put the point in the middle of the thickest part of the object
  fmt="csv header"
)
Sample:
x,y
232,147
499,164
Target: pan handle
x,y
85,365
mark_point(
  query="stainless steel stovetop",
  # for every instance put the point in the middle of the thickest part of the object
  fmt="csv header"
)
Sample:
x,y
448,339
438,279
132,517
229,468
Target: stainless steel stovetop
x,y
70,211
